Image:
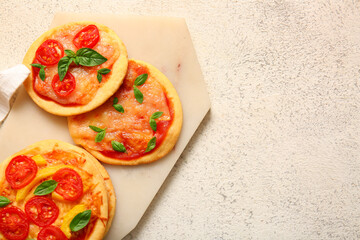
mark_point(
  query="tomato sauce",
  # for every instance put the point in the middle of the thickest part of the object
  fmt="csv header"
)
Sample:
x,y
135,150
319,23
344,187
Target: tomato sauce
x,y
160,135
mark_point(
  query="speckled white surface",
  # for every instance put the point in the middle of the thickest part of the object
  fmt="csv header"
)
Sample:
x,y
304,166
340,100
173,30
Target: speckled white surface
x,y
278,155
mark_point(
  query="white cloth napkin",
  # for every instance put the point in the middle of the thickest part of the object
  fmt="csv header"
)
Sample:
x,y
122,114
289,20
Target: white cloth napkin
x,y
10,80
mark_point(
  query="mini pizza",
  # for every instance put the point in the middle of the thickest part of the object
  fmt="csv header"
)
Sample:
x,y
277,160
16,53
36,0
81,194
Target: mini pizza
x,y
139,124
75,67
54,190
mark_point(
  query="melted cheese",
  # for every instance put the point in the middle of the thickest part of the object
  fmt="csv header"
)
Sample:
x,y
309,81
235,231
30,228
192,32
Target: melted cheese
x,y
132,127
41,175
55,160
86,80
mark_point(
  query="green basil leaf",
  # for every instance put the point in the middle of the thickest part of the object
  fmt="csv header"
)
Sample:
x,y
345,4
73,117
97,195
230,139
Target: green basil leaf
x,y
42,74
156,115
101,72
141,79
37,65
63,66
80,221
138,95
76,60
104,71
89,57
153,124
100,136
42,70
4,201
99,77
70,53
116,100
45,188
119,108
117,146
151,144
96,129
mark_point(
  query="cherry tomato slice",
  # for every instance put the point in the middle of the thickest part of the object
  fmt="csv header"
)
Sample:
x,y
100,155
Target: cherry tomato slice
x,y
88,37
42,211
14,224
51,232
70,185
65,87
50,52
20,171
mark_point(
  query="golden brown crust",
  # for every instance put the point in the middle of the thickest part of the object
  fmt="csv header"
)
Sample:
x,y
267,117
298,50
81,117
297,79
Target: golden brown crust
x,y
111,192
172,133
109,88
97,181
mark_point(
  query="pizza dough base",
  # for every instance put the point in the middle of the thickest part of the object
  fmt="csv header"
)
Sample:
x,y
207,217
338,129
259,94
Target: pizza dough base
x,y
171,136
107,90
89,166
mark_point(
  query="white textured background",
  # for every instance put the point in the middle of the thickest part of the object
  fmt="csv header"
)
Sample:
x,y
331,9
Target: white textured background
x,y
278,156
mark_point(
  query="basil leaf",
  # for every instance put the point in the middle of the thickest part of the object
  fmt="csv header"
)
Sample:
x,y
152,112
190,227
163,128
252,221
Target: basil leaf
x,y
104,71
118,108
141,79
138,95
63,66
156,115
96,129
45,188
42,74
4,201
116,100
76,60
117,146
37,65
100,136
153,124
99,77
42,70
89,57
70,53
80,221
151,144
101,72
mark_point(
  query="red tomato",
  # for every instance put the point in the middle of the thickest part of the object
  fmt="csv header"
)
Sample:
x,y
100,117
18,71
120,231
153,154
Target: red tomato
x,y
70,185
51,232
50,52
88,37
64,87
20,171
14,224
42,211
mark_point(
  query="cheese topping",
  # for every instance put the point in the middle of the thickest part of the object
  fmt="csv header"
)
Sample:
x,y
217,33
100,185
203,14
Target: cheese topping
x,y
130,128
86,80
41,175
54,161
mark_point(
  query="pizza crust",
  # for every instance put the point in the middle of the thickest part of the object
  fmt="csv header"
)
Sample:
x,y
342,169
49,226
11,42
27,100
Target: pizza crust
x,y
109,88
111,192
89,166
172,134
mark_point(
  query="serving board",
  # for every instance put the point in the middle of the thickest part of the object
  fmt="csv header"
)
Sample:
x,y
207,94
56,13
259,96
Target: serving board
x,y
165,43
